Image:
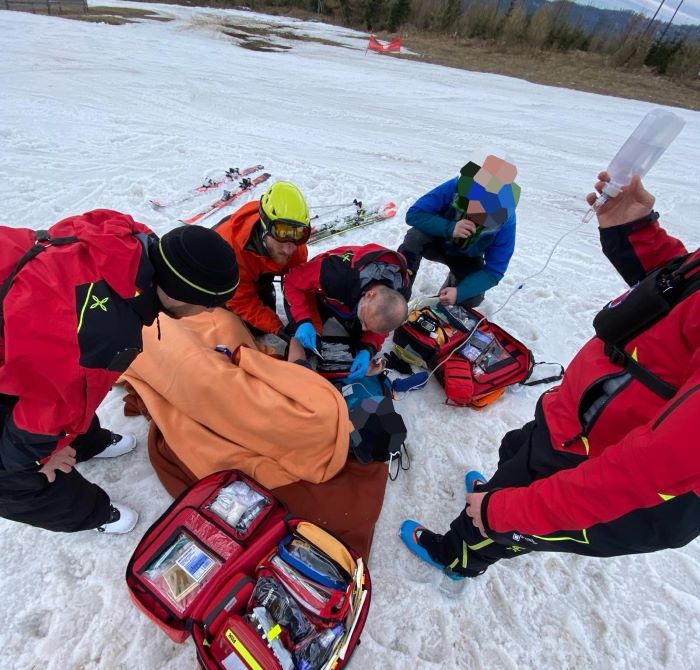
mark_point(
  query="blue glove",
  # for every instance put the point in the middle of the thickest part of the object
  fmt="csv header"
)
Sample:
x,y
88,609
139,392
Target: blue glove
x,y
307,336
359,366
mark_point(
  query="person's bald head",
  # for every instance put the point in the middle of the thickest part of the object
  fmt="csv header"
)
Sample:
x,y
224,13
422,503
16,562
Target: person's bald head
x,y
382,309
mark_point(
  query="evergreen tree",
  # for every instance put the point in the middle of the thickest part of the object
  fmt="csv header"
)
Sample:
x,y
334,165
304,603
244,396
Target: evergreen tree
x,y
400,11
450,15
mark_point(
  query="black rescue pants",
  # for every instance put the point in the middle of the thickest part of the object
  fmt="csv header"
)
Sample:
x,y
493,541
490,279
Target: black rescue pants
x,y
68,504
417,245
526,455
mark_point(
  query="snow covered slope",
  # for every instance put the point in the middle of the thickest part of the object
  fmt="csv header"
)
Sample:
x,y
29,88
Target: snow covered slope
x,y
110,116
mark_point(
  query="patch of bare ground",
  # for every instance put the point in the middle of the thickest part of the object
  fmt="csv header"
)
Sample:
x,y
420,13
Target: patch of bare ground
x,y
580,70
266,38
115,16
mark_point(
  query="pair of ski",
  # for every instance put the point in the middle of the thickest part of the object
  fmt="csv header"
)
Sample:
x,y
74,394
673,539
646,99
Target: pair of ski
x,y
326,230
342,224
227,197
210,184
337,226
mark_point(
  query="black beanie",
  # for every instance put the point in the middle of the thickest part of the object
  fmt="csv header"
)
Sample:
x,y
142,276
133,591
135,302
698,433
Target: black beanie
x,y
196,265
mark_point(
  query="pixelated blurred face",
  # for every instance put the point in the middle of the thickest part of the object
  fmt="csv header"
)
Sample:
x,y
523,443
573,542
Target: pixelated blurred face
x,y
486,193
495,173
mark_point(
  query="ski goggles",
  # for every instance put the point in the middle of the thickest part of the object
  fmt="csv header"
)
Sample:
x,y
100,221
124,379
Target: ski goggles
x,y
286,230
289,231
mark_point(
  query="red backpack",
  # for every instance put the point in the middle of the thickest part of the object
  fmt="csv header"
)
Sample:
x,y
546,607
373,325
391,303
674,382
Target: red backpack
x,y
475,360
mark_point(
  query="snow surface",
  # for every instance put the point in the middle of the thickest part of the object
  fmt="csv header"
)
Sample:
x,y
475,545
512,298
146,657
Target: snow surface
x,y
95,115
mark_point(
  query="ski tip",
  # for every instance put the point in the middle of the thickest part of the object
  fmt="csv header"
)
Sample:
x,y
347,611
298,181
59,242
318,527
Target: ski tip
x,y
389,210
157,204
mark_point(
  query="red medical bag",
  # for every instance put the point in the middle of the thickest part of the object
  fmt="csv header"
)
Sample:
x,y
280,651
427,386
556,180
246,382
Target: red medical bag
x,y
196,573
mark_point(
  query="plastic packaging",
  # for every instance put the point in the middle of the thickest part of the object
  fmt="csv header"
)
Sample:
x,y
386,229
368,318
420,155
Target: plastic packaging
x,y
180,571
636,157
310,561
312,654
283,608
239,505
270,631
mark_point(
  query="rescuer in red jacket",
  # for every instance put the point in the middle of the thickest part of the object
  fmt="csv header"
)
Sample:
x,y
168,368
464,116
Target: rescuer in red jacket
x,y
363,287
610,465
73,301
269,237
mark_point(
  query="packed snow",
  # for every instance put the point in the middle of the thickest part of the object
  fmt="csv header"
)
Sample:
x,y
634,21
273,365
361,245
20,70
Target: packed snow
x,y
93,115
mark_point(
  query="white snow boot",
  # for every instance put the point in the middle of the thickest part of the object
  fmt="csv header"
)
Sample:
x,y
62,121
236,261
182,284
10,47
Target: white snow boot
x,y
122,519
120,445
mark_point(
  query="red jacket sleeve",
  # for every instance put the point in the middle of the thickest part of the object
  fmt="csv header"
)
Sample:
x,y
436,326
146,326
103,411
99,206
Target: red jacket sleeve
x,y
654,461
638,247
300,288
374,340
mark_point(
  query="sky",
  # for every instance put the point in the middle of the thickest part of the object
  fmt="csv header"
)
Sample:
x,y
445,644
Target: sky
x,y
94,115
688,13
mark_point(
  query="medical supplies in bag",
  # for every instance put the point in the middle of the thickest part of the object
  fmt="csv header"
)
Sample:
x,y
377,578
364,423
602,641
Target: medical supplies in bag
x,y
475,360
254,588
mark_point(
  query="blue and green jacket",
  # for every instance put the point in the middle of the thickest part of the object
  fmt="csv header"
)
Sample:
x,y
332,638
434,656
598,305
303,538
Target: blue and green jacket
x,y
434,215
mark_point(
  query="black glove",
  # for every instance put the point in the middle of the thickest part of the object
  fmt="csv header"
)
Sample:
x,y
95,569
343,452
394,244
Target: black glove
x,y
393,362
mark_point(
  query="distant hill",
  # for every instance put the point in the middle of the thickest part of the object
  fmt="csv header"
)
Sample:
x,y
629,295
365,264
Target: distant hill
x,y
594,19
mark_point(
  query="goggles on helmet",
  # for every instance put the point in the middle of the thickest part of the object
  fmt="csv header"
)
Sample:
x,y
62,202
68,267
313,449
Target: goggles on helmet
x,y
289,231
286,230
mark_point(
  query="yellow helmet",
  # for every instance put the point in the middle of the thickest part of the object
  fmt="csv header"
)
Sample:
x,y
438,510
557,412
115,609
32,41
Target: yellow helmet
x,y
284,200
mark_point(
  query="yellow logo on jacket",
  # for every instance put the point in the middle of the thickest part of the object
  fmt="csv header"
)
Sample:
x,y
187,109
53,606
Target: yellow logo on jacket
x,y
97,303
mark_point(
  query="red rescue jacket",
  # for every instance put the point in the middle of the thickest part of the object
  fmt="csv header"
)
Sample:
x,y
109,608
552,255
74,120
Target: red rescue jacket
x,y
255,268
641,449
72,319
339,278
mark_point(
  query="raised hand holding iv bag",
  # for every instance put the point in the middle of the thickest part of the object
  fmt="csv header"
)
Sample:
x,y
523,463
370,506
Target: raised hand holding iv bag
x,y
638,154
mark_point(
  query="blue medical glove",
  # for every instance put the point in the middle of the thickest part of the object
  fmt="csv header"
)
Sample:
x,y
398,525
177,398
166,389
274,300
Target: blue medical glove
x,y
307,336
359,366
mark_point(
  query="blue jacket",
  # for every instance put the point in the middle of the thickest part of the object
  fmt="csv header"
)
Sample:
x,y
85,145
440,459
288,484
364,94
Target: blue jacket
x,y
434,215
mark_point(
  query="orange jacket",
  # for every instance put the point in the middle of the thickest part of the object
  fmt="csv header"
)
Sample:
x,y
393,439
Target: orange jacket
x,y
254,267
276,421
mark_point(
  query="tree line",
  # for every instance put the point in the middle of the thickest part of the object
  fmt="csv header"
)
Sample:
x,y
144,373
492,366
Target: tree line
x,y
515,26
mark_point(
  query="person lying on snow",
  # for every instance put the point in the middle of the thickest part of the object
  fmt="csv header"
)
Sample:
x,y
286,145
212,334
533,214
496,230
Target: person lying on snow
x,y
221,403
362,287
217,402
74,301
610,464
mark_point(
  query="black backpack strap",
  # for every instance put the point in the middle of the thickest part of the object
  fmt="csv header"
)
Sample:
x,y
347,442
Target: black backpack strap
x,y
545,380
43,241
640,373
665,288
